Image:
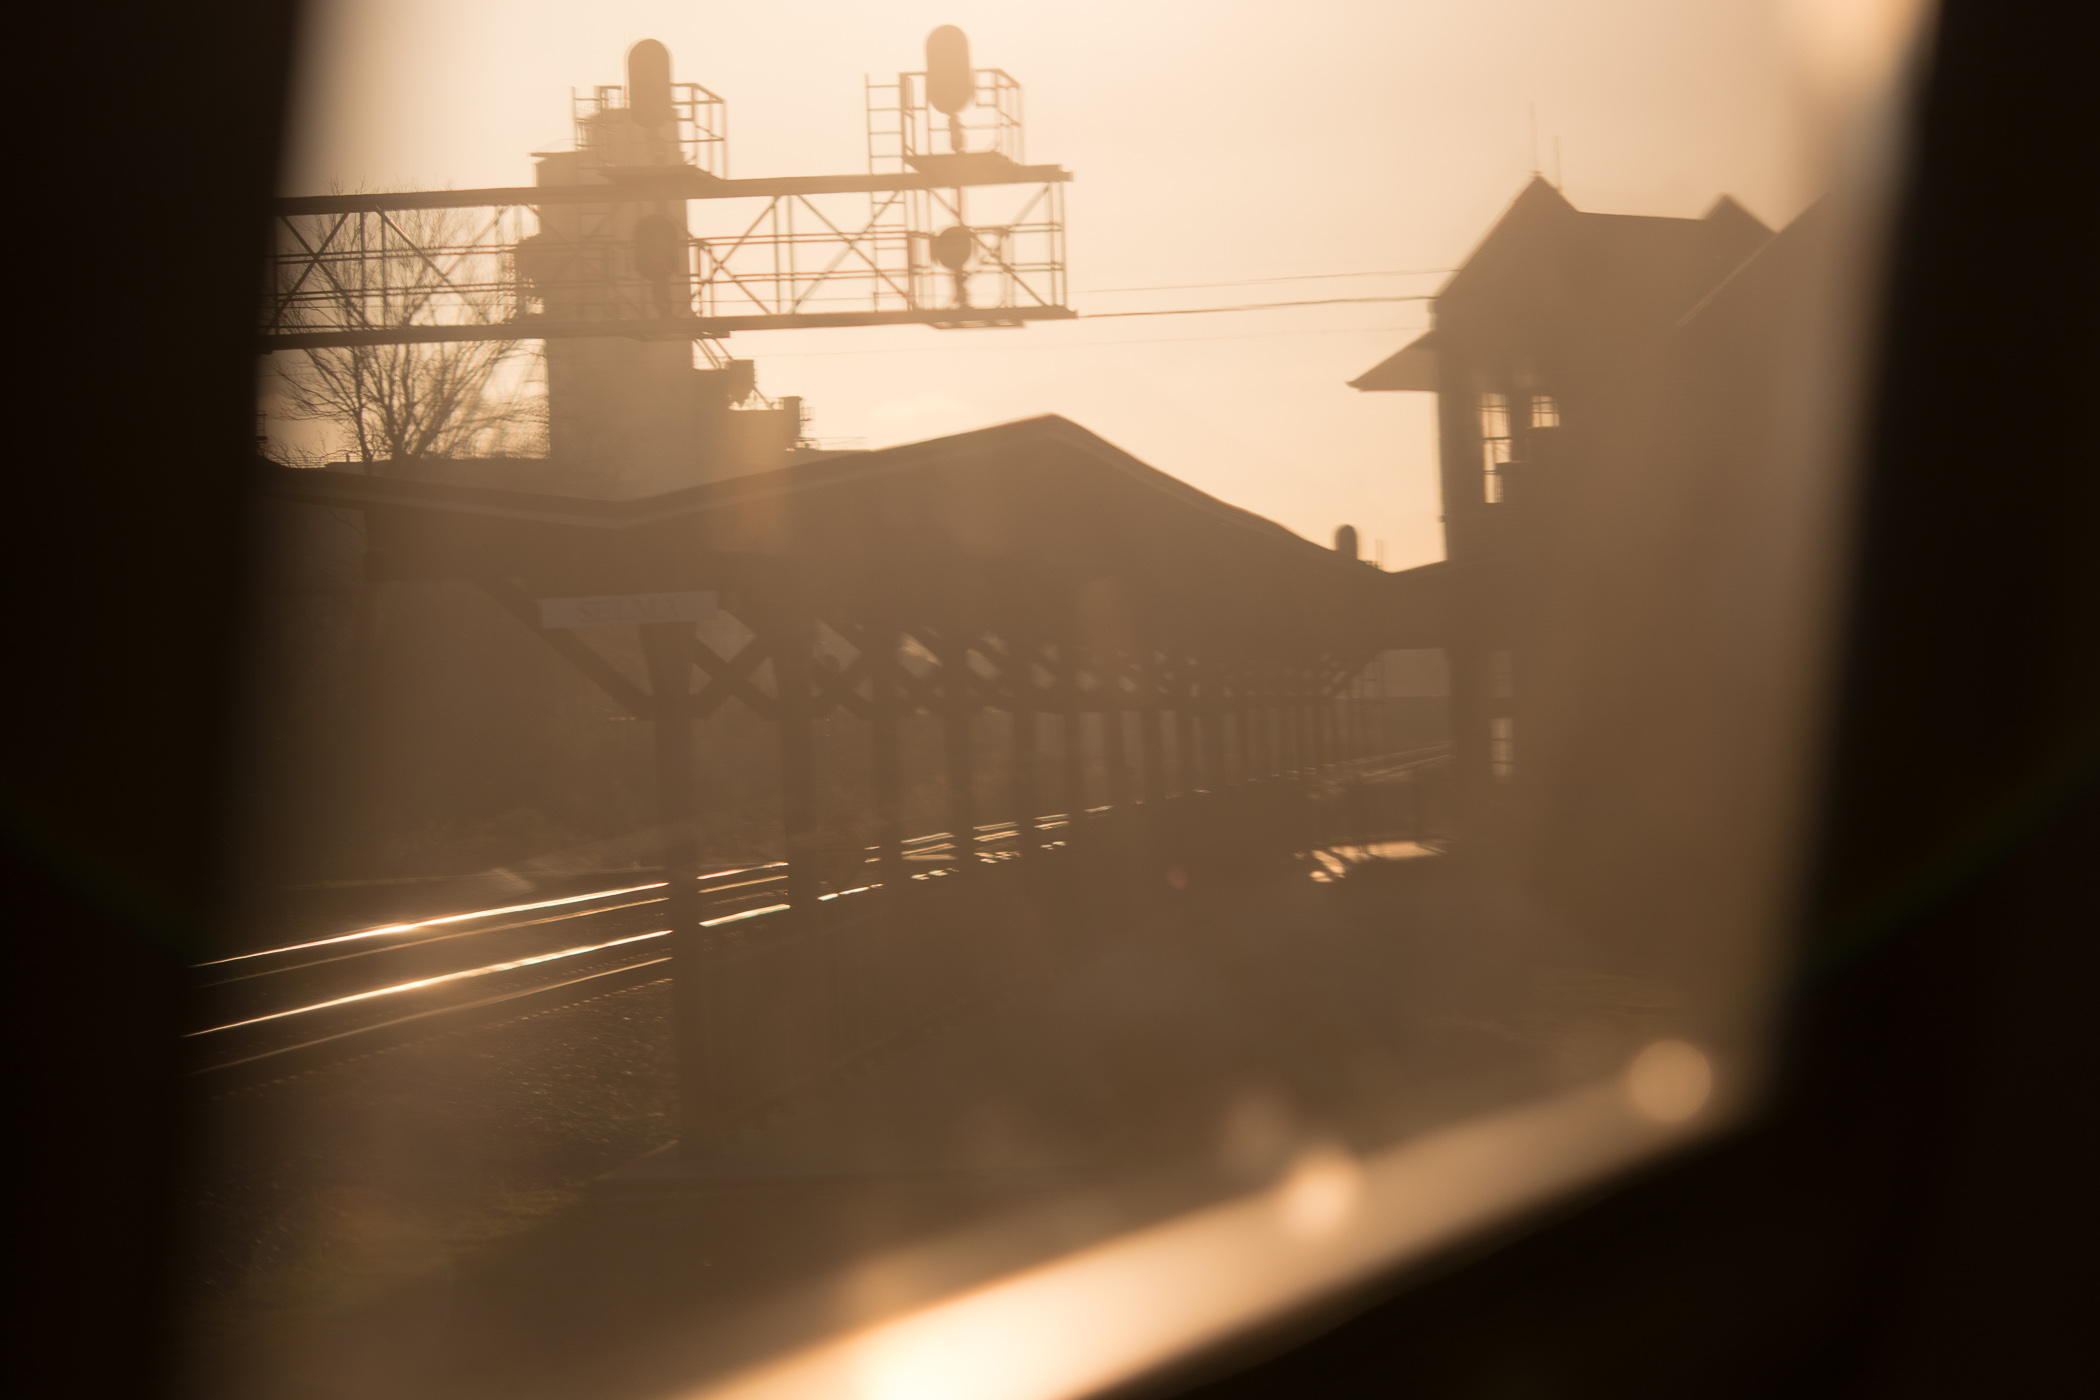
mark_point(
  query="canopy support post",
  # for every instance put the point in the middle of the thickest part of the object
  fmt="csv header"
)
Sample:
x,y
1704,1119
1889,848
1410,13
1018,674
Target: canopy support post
x,y
667,649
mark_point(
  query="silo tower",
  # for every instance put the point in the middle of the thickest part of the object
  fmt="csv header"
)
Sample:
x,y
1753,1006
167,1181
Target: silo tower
x,y
597,261
630,415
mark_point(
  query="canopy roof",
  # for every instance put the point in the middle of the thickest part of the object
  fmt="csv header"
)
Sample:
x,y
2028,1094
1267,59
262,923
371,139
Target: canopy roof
x,y
1036,525
1545,261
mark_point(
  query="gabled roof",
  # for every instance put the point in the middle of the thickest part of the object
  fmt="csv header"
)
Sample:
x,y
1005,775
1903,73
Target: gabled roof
x,y
810,477
985,519
1546,257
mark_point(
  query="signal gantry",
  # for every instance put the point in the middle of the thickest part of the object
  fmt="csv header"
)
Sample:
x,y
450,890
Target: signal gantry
x,y
602,244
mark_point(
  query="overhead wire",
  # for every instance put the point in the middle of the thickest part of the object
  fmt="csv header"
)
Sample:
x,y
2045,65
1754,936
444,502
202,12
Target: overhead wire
x,y
1252,281
1079,344
1171,340
1249,306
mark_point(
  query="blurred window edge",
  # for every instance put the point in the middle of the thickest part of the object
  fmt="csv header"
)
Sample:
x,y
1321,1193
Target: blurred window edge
x,y
1616,1138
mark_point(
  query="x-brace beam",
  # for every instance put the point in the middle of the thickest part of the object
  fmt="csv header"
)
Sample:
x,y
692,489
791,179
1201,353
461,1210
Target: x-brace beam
x,y
572,649
731,679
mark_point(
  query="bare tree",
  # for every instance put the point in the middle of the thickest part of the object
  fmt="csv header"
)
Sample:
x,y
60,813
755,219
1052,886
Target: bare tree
x,y
402,402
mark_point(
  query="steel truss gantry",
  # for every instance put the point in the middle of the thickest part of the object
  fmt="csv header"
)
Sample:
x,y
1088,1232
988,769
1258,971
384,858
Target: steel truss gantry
x,y
432,266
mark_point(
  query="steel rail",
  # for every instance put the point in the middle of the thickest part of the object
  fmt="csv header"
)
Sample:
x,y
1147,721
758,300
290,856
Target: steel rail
x,y
283,1061
308,1053
713,881
319,1050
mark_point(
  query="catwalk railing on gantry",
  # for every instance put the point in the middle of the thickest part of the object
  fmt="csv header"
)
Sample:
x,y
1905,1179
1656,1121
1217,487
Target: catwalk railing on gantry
x,y
948,227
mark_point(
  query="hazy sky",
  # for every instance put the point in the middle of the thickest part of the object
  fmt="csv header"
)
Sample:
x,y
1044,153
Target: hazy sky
x,y
1210,142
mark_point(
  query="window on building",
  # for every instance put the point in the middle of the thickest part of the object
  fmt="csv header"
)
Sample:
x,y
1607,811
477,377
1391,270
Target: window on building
x,y
1502,747
1545,411
1494,443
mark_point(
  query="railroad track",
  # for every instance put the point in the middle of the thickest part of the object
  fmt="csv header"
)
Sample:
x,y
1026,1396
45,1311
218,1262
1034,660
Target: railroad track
x,y
284,1010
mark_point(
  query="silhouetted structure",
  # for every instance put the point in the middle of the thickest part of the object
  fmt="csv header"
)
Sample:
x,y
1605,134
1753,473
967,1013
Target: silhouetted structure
x,y
597,260
1543,354
1189,646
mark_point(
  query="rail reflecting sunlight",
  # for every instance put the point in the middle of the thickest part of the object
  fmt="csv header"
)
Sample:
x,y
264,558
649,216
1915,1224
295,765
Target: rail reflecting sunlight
x,y
386,929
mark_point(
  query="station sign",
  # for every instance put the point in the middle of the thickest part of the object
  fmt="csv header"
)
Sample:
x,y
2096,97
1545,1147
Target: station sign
x,y
620,608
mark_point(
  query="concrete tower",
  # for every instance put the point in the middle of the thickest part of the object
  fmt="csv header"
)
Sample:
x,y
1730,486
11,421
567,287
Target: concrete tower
x,y
631,416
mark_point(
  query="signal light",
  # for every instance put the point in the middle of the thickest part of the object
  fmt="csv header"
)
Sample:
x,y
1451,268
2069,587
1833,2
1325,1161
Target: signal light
x,y
950,85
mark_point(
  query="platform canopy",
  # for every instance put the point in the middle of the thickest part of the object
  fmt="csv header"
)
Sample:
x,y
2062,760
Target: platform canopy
x,y
1037,527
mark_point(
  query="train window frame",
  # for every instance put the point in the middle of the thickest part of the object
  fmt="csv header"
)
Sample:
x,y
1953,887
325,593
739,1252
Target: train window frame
x,y
1662,1134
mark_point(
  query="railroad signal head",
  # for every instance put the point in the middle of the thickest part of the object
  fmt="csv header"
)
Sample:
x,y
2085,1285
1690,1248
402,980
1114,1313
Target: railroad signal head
x,y
950,85
954,247
649,83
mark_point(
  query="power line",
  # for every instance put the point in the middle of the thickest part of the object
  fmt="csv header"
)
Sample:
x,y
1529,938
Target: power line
x,y
1248,306
1251,281
1079,344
